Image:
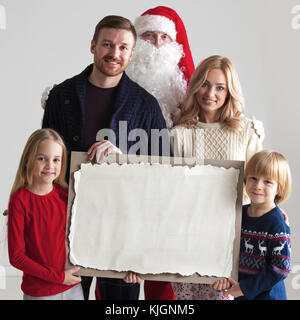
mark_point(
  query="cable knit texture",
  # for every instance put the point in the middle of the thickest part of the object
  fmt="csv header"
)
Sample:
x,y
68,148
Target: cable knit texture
x,y
214,141
65,110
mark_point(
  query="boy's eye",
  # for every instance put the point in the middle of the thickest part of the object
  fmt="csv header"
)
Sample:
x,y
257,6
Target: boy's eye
x,y
253,178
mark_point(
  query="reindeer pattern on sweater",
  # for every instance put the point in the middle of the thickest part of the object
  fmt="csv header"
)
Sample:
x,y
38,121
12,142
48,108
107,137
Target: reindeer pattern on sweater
x,y
265,253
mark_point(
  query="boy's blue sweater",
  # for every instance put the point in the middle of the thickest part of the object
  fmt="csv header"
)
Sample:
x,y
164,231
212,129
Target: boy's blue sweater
x,y
264,256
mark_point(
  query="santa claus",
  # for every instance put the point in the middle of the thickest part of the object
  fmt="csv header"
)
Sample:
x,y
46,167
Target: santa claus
x,y
162,62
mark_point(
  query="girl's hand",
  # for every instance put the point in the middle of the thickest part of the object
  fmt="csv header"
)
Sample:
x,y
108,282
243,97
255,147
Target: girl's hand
x,y
104,148
70,279
132,277
234,290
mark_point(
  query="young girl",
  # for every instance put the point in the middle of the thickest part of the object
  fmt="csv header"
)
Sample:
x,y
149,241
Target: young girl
x,y
37,220
265,238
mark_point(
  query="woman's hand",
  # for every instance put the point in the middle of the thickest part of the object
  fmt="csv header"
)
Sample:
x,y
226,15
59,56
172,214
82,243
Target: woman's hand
x,y
70,279
132,277
104,148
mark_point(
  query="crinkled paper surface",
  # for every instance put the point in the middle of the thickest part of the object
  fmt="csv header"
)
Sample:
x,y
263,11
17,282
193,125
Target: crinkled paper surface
x,y
154,218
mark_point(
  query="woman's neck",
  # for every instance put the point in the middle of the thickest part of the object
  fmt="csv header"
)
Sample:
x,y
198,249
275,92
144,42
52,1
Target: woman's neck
x,y
208,117
40,190
258,210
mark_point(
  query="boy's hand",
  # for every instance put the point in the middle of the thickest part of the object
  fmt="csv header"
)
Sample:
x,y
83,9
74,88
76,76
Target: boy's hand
x,y
234,290
222,285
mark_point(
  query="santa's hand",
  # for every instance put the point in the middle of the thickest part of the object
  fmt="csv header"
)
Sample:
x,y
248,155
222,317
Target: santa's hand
x,y
102,148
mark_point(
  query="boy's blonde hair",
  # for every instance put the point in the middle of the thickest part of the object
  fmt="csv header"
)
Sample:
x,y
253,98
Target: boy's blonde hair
x,y
274,166
24,173
232,111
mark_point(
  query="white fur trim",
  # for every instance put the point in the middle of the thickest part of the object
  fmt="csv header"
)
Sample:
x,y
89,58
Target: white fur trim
x,y
45,95
155,23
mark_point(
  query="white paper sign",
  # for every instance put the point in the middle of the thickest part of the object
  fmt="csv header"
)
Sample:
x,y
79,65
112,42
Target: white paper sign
x,y
154,218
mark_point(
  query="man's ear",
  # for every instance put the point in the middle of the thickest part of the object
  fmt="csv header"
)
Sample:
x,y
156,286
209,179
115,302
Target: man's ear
x,y
93,46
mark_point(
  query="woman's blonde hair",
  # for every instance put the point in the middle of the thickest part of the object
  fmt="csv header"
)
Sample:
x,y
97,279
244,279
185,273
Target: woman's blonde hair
x,y
24,173
273,165
233,108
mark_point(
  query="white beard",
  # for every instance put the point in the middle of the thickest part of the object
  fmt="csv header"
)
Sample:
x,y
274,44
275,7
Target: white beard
x,y
157,71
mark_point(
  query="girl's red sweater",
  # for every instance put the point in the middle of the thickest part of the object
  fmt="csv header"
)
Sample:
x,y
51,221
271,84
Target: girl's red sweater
x,y
36,240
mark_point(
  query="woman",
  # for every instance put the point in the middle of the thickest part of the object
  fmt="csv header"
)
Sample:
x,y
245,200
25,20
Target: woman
x,y
213,126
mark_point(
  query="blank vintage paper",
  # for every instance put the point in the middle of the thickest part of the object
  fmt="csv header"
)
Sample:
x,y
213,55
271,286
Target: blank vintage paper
x,y
154,218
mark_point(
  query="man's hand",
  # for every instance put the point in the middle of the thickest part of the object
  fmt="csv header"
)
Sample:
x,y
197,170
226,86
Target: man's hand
x,y
102,149
132,277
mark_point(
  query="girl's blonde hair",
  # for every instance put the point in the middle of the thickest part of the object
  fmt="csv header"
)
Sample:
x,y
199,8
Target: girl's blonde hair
x,y
233,108
24,172
274,166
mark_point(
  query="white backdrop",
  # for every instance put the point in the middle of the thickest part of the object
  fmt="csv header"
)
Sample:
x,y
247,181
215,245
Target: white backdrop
x,y
44,42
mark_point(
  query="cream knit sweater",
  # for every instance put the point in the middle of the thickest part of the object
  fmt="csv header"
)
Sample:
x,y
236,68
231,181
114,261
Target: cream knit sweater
x,y
213,141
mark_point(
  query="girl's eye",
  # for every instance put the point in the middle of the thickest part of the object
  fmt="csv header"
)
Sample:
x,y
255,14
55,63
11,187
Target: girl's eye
x,y
56,160
220,88
204,85
41,158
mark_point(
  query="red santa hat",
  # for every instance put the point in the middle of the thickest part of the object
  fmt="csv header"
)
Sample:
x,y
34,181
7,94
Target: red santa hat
x,y
166,20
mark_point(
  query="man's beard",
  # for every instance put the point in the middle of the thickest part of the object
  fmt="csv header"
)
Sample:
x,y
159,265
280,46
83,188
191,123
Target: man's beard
x,y
157,71
100,65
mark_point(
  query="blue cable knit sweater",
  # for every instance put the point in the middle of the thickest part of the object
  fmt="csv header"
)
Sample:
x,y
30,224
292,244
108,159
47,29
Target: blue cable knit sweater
x,y
65,111
264,256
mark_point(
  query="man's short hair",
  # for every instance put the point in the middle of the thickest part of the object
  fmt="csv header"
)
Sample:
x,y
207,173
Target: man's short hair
x,y
115,22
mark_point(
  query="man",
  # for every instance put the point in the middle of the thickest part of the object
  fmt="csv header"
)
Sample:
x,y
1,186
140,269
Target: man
x,y
162,62
100,97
